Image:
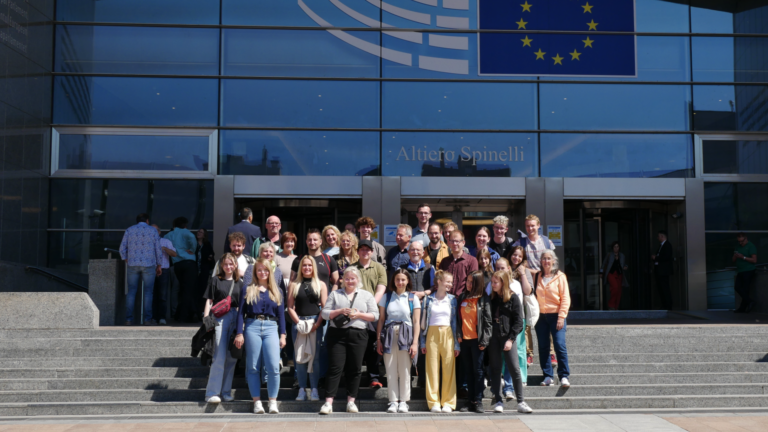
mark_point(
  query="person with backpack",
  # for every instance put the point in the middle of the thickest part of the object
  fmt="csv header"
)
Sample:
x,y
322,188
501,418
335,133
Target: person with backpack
x,y
399,338
422,274
474,332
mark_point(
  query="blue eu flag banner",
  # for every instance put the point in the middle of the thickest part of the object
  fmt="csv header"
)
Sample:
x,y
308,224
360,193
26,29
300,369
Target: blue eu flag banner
x,y
557,54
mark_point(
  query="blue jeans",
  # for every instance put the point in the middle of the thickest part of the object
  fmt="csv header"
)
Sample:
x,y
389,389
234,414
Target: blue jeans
x,y
147,275
223,365
521,355
261,338
547,325
301,369
160,295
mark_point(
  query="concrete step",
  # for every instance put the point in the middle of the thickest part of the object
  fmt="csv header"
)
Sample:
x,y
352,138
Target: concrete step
x,y
99,362
378,406
106,373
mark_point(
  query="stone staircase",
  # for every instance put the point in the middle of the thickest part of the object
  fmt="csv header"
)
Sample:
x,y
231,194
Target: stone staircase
x,y
115,371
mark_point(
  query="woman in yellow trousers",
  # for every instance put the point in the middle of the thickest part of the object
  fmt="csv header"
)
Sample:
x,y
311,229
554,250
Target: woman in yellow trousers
x,y
440,345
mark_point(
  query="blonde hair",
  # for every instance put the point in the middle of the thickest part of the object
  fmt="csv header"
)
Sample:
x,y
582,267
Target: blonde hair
x,y
333,228
501,220
352,239
268,244
252,292
314,280
235,273
440,275
353,269
506,291
533,217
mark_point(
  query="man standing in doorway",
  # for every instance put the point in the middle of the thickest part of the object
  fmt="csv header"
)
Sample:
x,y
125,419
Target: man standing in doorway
x,y
745,257
375,282
365,226
662,266
162,281
459,263
245,226
420,234
273,235
143,256
437,249
500,242
398,255
327,268
185,267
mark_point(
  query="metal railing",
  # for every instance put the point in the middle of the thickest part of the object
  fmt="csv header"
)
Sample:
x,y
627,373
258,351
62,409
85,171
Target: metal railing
x,y
57,278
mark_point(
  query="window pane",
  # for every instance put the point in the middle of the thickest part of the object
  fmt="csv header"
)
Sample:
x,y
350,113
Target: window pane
x,y
736,206
291,103
735,157
114,204
724,108
135,101
139,11
70,251
614,107
625,156
728,59
661,16
305,13
301,53
133,152
137,50
720,248
421,105
727,16
315,153
425,14
459,154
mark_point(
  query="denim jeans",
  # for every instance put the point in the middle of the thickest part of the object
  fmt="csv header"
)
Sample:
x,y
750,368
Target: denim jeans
x,y
261,338
223,365
521,354
160,295
301,369
472,362
547,325
147,275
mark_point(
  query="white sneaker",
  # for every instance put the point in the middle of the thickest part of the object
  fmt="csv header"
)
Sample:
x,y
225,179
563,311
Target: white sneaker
x,y
326,409
547,381
498,407
509,395
162,322
523,407
352,408
436,409
302,395
257,408
402,408
227,397
564,382
392,408
273,407
213,399
447,410
314,396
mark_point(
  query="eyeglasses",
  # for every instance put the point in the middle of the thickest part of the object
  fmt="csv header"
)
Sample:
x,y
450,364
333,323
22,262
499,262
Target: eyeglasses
x,y
456,241
273,223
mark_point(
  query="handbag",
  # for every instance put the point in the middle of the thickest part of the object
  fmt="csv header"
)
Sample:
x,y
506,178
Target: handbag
x,y
342,320
234,351
222,308
532,304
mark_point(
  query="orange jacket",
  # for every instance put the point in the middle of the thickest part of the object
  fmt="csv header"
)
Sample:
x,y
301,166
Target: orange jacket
x,y
554,297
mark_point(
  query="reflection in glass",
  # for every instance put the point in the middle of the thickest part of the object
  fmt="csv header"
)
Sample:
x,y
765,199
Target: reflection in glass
x,y
291,13
735,206
289,103
716,17
720,248
133,152
728,59
135,101
137,50
614,107
725,108
458,154
114,204
619,155
422,105
735,157
297,53
139,11
311,153
70,251
661,16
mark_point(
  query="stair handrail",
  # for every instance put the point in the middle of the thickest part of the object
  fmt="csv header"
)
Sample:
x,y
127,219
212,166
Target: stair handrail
x,y
57,278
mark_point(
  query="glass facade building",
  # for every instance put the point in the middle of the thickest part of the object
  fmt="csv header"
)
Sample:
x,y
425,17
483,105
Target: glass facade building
x,y
574,109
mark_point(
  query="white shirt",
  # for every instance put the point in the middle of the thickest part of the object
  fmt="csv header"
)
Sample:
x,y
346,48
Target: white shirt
x,y
440,315
164,242
533,251
399,309
518,289
242,265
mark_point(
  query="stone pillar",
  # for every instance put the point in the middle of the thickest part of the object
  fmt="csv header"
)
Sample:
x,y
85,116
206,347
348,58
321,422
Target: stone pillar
x,y
695,245
106,287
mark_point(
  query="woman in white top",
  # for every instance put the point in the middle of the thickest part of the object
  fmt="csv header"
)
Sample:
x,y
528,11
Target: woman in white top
x,y
285,258
331,237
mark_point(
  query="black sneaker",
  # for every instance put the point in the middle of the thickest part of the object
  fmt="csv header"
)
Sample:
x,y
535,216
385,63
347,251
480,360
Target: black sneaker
x,y
478,408
467,408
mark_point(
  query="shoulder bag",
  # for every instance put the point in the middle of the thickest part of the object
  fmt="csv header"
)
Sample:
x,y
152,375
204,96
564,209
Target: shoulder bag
x,y
342,320
222,308
531,303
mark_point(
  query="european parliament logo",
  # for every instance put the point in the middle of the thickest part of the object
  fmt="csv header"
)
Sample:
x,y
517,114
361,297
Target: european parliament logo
x,y
491,53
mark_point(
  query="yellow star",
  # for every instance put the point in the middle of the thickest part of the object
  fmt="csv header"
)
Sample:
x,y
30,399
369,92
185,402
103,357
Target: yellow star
x,y
526,6
592,25
558,59
587,8
521,24
540,54
588,42
526,41
575,55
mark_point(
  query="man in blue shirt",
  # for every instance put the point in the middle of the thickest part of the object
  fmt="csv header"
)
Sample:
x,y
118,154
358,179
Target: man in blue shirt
x,y
141,251
185,267
398,255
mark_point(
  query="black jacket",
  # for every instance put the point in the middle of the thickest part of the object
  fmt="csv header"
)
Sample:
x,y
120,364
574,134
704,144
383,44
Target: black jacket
x,y
510,322
664,259
483,318
203,340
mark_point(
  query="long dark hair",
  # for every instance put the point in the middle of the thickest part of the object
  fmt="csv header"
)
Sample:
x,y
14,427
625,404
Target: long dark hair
x,y
478,283
393,288
486,254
